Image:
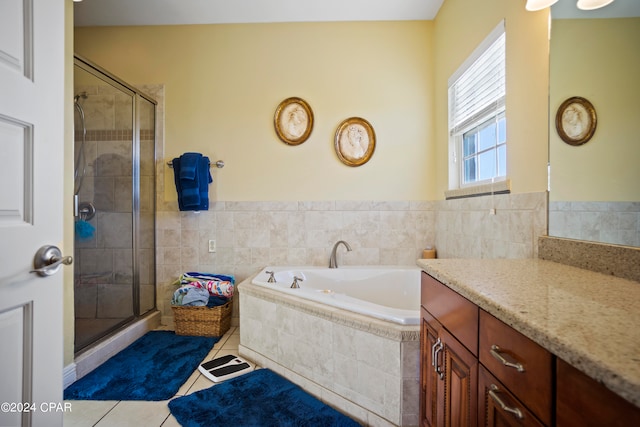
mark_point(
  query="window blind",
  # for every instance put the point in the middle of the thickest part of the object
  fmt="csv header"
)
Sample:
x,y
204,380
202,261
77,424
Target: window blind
x,y
477,89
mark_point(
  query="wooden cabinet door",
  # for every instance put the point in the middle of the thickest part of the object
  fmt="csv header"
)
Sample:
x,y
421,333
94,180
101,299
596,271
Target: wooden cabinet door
x,y
582,401
459,398
428,375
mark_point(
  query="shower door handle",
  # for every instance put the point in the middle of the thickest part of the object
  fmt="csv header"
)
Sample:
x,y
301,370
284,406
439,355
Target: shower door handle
x,y
48,260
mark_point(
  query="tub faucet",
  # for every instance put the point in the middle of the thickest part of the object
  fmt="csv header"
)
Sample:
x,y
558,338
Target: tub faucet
x,y
332,259
271,279
295,284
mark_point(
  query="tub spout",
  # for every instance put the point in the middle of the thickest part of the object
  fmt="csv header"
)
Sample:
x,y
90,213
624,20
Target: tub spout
x,y
332,259
295,284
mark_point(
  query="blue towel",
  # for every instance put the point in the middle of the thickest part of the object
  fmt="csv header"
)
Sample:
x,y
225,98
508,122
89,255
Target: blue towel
x,y
189,163
193,193
195,297
188,178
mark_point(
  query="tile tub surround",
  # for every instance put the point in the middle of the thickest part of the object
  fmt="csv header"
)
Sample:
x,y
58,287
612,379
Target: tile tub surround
x,y
252,234
590,320
364,367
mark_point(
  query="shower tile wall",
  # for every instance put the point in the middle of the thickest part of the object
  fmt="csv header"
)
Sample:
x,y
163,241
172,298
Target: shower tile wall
x,y
251,235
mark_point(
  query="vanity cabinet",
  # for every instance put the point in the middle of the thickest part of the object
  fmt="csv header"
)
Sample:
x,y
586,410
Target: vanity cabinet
x,y
582,401
475,369
449,363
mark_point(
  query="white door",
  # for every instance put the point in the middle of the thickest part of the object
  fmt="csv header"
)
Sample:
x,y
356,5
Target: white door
x,y
31,190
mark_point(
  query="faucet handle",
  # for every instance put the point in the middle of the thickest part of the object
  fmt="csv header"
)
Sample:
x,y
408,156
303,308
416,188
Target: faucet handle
x,y
295,285
271,278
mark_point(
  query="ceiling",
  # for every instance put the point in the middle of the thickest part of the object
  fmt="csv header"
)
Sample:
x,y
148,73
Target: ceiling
x,y
177,12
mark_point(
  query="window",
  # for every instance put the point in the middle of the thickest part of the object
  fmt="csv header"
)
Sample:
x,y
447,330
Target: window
x,y
484,151
477,118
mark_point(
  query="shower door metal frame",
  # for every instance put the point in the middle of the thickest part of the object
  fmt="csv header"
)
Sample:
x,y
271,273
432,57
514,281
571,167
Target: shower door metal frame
x,y
117,82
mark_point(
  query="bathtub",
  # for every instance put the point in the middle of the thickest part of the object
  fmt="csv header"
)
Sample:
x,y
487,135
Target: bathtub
x,y
387,293
349,336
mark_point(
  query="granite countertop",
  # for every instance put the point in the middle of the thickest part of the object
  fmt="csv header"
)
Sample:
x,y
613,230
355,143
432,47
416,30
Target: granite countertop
x,y
590,320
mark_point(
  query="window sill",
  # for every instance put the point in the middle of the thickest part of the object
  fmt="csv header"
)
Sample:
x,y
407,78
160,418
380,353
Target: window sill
x,y
499,187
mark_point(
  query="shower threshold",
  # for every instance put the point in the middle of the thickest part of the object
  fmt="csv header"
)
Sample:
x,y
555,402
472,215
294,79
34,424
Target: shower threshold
x,y
95,355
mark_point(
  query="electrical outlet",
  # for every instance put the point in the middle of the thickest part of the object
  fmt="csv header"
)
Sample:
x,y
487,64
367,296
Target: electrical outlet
x,y
492,211
212,245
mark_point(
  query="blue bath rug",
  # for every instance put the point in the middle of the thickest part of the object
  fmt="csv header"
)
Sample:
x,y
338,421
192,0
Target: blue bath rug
x,y
152,368
260,398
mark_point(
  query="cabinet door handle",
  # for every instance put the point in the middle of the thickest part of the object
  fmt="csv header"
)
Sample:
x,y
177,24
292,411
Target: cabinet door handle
x,y
433,352
495,352
439,370
493,393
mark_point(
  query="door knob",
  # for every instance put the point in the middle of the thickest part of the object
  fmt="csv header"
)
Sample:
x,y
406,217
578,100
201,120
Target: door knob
x,y
48,260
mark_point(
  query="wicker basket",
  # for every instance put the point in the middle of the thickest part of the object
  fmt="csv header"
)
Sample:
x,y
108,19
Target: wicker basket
x,y
203,321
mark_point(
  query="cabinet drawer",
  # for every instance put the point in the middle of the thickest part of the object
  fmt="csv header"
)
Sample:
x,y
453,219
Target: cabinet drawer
x,y
456,313
531,377
499,407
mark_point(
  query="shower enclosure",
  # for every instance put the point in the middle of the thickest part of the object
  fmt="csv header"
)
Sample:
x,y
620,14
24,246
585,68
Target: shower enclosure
x,y
114,203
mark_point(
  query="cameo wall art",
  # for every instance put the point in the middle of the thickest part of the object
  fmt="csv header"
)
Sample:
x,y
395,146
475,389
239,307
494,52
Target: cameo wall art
x,y
576,121
355,141
293,121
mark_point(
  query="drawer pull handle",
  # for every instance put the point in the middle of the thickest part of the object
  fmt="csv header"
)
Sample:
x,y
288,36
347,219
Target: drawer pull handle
x,y
495,352
493,393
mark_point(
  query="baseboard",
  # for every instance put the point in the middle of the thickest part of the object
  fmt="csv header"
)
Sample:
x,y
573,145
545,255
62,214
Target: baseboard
x,y
167,322
69,375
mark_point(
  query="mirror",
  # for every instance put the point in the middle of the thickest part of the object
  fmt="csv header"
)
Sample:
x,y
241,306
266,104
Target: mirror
x,y
595,187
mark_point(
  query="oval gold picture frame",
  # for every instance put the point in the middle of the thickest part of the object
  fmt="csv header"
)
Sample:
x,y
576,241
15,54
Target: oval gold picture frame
x,y
576,120
293,121
355,141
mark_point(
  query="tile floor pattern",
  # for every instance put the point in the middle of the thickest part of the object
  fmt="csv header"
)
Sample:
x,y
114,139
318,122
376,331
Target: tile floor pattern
x,y
100,413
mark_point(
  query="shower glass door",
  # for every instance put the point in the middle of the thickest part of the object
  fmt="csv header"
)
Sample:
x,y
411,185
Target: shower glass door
x,y
145,254
113,206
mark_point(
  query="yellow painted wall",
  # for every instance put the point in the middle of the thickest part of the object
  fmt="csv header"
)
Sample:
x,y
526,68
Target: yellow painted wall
x,y
460,26
224,82
599,60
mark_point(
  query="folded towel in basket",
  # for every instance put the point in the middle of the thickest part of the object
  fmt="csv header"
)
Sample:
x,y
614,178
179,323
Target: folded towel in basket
x,y
192,276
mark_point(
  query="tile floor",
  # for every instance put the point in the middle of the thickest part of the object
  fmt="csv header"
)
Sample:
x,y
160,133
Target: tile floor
x,y
85,413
